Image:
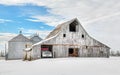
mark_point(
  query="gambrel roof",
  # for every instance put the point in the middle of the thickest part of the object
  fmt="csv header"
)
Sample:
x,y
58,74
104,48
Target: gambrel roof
x,y
20,38
57,30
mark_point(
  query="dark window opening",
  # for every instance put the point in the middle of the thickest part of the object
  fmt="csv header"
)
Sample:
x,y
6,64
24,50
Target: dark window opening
x,y
83,36
86,47
71,50
72,26
64,35
101,52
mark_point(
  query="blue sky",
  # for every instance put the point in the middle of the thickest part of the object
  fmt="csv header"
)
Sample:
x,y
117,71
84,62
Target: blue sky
x,y
17,15
100,18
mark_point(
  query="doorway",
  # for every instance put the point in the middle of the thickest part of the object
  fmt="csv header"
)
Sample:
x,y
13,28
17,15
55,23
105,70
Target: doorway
x,y
46,51
73,52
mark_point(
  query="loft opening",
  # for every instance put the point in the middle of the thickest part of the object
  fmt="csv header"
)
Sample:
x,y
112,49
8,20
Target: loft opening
x,y
86,47
64,35
83,36
73,26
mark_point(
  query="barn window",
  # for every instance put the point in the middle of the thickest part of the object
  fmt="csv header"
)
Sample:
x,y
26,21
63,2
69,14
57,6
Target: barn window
x,y
101,52
83,36
71,50
86,47
64,35
72,26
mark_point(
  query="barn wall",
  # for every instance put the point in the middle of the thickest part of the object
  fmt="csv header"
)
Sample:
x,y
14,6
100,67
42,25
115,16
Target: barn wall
x,y
36,52
62,51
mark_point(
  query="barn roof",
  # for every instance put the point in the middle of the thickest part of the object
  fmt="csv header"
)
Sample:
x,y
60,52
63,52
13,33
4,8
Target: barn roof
x,y
45,40
58,28
20,38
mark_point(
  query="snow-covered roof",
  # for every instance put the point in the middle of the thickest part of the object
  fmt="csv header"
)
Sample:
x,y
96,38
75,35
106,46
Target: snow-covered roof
x,y
20,38
35,39
45,40
57,30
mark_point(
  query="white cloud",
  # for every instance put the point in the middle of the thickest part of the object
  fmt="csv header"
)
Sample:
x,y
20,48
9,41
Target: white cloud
x,y
19,2
29,32
5,20
42,33
12,2
105,17
7,34
42,27
4,38
49,20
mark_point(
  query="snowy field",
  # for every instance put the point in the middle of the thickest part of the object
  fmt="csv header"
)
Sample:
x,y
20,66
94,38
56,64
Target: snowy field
x,y
62,66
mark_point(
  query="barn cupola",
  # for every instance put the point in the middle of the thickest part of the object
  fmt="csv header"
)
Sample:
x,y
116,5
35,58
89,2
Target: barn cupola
x,y
73,26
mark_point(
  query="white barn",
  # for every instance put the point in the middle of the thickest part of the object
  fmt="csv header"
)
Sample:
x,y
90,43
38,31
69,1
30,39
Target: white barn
x,y
70,39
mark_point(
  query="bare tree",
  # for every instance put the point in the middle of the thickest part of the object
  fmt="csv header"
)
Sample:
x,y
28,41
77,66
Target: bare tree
x,y
118,53
112,53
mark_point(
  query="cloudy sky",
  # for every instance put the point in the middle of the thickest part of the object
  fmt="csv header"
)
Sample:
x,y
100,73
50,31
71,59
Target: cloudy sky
x,y
100,18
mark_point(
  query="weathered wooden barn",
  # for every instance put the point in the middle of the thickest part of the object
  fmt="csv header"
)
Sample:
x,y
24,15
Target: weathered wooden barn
x,y
70,39
18,43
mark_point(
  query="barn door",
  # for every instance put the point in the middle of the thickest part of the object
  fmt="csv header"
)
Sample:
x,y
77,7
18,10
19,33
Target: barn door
x,y
46,51
73,52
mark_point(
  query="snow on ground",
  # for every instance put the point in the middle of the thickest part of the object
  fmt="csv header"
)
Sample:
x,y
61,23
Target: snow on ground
x,y
62,66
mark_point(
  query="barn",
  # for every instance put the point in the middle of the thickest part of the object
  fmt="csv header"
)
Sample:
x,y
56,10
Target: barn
x,y
18,43
70,39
